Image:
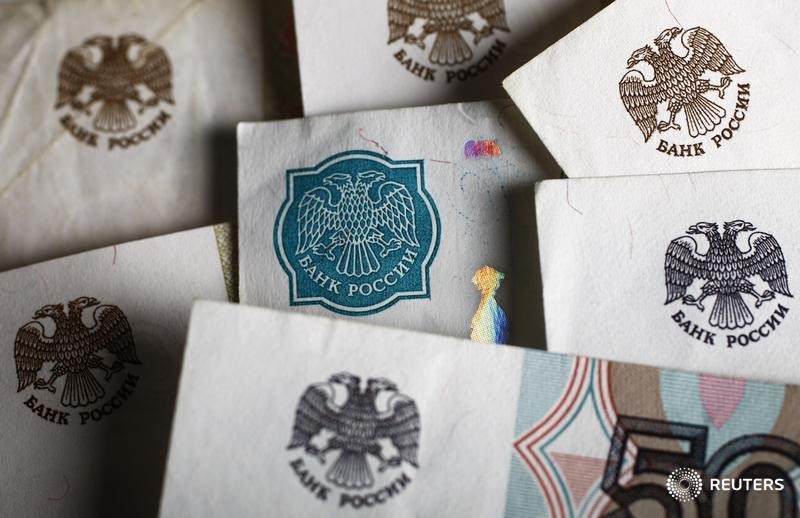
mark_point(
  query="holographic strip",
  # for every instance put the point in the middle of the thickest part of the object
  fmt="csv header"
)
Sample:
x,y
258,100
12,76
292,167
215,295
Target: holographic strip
x,y
489,324
481,149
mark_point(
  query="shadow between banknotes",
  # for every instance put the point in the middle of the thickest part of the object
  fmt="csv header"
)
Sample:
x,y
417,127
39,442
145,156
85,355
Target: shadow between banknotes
x,y
525,282
140,441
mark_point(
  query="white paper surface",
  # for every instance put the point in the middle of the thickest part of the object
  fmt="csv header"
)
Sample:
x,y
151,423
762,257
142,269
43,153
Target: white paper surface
x,y
237,405
112,466
59,195
571,92
603,247
483,205
346,63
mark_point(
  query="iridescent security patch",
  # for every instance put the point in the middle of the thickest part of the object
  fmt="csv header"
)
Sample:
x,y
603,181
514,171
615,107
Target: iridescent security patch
x,y
357,233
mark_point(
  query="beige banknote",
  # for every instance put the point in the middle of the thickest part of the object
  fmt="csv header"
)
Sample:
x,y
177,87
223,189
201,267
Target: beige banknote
x,y
117,119
92,347
370,54
690,271
669,86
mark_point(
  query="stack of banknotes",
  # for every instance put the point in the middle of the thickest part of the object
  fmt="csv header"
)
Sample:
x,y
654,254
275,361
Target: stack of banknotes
x,y
520,258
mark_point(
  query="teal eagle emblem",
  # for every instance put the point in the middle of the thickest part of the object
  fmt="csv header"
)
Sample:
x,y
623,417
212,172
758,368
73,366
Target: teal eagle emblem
x,y
353,224
357,233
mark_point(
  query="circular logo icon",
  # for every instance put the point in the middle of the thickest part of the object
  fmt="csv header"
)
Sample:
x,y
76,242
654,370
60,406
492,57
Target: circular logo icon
x,y
684,484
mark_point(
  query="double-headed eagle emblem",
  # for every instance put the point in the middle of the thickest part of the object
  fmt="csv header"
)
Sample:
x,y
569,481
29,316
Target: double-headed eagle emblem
x,y
357,222
679,81
358,426
115,75
726,269
73,349
447,19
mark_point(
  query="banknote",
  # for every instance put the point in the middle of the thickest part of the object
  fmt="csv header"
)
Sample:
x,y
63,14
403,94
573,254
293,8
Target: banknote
x,y
92,347
657,86
395,53
420,218
691,271
356,420
118,119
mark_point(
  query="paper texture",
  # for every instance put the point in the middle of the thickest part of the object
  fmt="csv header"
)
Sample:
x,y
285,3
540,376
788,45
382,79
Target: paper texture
x,y
391,216
62,190
463,429
369,54
94,443
614,250
602,102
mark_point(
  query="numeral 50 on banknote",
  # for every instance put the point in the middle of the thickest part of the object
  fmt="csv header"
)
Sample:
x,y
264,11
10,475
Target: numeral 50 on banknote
x,y
777,458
